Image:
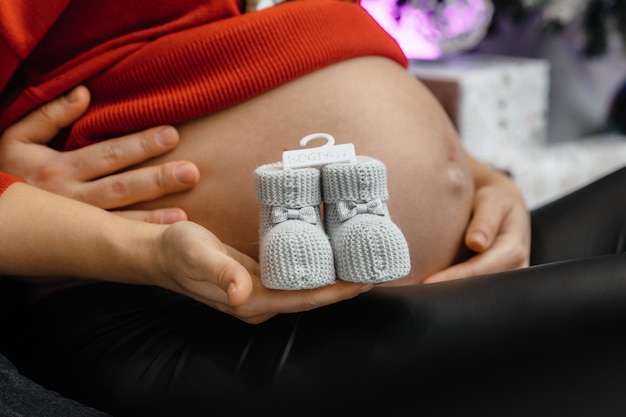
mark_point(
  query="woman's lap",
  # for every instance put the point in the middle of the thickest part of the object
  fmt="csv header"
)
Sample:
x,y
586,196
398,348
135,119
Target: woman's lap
x,y
545,335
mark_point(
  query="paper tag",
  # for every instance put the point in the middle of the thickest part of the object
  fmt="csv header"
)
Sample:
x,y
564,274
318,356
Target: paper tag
x,y
321,155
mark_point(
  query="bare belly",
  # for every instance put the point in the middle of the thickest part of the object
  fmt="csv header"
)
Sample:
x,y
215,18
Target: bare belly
x,y
370,102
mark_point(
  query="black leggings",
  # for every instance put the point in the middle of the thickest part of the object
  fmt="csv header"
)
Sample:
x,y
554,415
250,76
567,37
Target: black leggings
x,y
548,340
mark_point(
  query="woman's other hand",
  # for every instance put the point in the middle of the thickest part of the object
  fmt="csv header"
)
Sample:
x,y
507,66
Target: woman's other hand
x,y
499,230
91,174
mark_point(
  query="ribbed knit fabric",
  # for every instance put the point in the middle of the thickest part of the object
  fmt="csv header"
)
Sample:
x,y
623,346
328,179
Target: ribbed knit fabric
x,y
294,250
367,245
6,180
144,72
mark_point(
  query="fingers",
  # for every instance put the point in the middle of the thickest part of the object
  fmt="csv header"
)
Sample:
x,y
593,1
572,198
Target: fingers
x,y
485,222
160,216
143,184
477,265
228,280
309,299
266,303
510,250
204,268
458,271
228,275
499,232
503,256
43,124
93,174
253,303
106,157
102,159
226,284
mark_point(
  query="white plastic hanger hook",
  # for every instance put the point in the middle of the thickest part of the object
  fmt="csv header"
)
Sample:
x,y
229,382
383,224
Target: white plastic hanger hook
x,y
330,140
320,155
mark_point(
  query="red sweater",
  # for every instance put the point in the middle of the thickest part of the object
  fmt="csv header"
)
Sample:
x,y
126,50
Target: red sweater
x,y
148,63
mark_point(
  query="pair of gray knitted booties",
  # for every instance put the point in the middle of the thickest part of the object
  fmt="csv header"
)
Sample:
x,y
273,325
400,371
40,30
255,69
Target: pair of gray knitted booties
x,y
357,242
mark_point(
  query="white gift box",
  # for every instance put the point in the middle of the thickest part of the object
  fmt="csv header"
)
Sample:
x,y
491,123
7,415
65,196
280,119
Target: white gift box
x,y
549,171
495,102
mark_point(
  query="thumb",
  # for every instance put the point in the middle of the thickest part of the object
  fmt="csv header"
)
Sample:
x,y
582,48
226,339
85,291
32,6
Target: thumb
x,y
484,224
239,287
477,239
218,265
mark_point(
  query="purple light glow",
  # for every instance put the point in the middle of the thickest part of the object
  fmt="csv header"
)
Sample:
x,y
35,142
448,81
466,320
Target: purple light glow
x,y
429,32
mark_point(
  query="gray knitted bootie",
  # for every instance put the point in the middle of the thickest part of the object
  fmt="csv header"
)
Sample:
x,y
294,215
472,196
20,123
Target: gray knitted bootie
x,y
294,250
367,245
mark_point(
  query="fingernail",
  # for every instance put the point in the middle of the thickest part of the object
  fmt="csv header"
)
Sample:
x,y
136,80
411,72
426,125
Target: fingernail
x,y
185,174
166,136
479,238
173,217
232,289
73,96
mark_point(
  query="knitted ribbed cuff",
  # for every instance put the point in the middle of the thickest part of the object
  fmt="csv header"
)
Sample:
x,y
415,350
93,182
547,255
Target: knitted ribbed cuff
x,y
289,188
358,182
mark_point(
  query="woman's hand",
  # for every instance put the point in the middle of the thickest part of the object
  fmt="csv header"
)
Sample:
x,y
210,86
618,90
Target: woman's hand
x,y
499,230
60,242
197,264
91,174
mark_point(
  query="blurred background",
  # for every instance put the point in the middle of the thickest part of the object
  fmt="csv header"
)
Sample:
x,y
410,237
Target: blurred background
x,y
536,88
